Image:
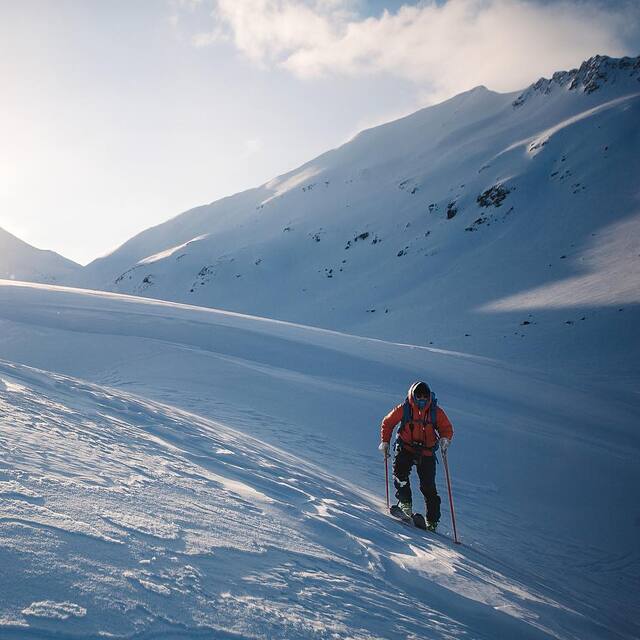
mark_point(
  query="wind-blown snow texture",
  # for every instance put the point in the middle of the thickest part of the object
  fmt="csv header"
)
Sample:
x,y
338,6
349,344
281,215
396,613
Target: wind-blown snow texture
x,y
128,516
21,261
499,224
135,499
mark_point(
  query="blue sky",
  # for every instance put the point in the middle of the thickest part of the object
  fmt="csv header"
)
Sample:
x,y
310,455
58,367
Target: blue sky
x,y
118,115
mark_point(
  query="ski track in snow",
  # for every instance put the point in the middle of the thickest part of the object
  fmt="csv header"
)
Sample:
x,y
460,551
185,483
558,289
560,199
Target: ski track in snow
x,y
127,517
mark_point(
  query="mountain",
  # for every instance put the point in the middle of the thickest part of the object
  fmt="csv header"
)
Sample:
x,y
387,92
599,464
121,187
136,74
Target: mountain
x,y
169,471
497,224
21,261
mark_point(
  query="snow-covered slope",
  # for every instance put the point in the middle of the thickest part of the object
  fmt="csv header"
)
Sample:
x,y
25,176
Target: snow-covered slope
x,y
492,223
125,517
21,261
138,496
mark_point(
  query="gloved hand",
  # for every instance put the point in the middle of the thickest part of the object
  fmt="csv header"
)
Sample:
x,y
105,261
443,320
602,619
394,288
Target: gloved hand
x,y
384,447
444,444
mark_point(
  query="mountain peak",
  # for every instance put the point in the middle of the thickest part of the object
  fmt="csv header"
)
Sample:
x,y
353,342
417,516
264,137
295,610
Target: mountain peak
x,y
22,261
589,77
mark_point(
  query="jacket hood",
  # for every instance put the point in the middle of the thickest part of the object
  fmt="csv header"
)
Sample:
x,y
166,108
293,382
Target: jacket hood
x,y
412,388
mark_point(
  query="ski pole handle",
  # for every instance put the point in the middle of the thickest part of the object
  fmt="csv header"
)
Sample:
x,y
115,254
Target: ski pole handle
x,y
453,513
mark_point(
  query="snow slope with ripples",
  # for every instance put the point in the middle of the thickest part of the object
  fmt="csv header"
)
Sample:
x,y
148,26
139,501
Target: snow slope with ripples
x,y
181,470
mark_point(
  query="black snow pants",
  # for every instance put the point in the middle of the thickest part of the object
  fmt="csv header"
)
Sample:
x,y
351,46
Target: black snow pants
x,y
426,468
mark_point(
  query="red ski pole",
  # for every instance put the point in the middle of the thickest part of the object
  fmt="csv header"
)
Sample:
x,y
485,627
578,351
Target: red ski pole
x,y
386,478
453,513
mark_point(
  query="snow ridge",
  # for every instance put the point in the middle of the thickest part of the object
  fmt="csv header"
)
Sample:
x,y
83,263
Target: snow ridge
x,y
589,77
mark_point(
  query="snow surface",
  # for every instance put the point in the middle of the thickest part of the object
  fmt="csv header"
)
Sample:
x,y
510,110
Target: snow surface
x,y
503,225
176,471
21,261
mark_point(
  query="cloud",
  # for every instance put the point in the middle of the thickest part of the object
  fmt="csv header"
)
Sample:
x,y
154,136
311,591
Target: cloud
x,y
442,48
270,31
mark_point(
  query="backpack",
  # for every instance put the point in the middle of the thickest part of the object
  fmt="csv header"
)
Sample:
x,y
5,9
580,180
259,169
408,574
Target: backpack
x,y
407,416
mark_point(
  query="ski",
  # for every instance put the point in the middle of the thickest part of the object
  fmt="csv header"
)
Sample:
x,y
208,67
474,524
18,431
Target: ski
x,y
417,521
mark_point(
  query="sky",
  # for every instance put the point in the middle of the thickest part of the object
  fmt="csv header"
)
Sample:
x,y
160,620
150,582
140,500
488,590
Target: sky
x,y
118,115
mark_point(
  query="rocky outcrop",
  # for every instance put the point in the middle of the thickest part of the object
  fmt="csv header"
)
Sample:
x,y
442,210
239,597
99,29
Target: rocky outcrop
x,y
589,77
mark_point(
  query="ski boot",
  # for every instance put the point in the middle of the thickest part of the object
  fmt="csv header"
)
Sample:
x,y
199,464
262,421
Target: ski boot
x,y
432,526
406,508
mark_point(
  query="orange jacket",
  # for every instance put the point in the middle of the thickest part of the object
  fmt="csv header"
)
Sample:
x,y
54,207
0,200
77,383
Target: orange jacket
x,y
419,429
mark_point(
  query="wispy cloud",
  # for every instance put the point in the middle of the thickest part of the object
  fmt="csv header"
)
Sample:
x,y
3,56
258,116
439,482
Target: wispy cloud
x,y
443,48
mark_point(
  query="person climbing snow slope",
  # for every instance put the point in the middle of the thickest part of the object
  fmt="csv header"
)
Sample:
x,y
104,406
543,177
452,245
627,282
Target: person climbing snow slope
x,y
424,427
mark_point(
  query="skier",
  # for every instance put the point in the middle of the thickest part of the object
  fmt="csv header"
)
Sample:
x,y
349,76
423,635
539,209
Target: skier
x,y
424,427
